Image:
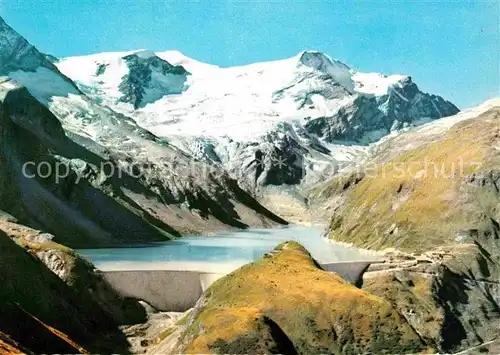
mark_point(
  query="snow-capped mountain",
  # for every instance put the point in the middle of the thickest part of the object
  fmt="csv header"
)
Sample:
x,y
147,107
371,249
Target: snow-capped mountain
x,y
247,101
133,78
123,184
295,121
18,54
20,60
308,112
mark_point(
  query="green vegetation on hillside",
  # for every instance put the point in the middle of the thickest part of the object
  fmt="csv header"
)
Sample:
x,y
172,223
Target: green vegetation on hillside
x,y
424,196
286,300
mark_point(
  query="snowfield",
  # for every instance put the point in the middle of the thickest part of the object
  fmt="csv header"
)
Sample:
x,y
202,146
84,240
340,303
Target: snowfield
x,y
291,121
312,111
241,103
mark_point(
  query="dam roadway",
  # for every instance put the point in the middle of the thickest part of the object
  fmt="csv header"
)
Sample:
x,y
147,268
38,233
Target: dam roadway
x,y
171,276
176,287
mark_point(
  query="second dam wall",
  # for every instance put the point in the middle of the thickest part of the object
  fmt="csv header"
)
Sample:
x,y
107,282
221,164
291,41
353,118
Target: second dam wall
x,y
178,290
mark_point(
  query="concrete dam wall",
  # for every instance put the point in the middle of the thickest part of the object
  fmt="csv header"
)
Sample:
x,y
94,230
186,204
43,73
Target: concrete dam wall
x,y
165,290
177,290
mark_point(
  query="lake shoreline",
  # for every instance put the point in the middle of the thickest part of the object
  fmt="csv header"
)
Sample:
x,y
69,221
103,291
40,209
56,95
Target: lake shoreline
x,y
224,251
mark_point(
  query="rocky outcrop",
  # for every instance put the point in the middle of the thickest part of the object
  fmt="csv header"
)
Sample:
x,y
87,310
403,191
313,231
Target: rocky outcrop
x,y
351,122
450,295
311,311
149,76
366,119
405,104
76,272
42,314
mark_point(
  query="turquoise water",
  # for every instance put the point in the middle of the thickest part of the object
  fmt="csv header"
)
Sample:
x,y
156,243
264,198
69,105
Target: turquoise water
x,y
238,246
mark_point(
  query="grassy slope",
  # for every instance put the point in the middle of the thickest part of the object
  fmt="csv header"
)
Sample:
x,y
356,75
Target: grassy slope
x,y
395,204
318,311
414,201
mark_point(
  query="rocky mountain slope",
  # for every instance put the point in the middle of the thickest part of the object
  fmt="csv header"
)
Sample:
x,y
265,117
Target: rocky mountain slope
x,y
285,122
438,191
79,274
53,302
449,295
93,177
433,193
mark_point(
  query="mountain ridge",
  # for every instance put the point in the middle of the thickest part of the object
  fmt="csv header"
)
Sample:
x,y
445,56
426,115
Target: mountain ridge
x,y
307,110
46,120
194,149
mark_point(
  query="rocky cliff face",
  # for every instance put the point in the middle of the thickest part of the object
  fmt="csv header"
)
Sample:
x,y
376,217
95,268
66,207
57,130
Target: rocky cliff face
x,y
367,118
40,312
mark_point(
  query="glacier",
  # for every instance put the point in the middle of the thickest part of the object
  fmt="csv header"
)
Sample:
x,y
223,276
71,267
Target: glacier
x,y
296,121
311,112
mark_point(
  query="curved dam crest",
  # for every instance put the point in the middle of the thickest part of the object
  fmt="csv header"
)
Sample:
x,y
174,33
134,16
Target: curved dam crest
x,y
172,276
179,290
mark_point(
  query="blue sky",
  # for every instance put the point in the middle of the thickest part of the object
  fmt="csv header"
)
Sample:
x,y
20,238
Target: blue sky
x,y
449,47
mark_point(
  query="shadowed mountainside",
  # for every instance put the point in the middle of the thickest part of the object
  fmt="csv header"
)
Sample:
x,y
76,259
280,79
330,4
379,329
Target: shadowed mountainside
x,y
42,314
96,200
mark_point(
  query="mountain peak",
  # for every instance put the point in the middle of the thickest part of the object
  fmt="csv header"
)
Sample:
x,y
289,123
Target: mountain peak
x,y
23,62
145,54
16,53
321,62
319,59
